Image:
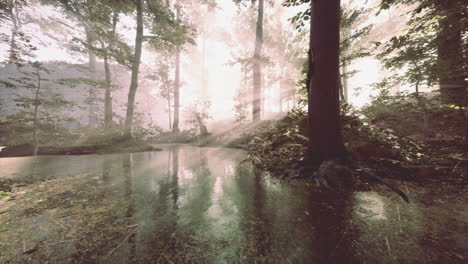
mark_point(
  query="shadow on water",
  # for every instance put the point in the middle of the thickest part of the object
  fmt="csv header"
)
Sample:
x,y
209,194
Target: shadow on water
x,y
189,204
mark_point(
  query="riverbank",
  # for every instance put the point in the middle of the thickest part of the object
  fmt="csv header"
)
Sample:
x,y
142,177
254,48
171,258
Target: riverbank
x,y
115,146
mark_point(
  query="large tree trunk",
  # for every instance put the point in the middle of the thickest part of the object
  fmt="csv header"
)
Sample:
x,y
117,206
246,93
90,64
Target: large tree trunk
x,y
325,139
135,69
92,118
450,59
257,74
175,126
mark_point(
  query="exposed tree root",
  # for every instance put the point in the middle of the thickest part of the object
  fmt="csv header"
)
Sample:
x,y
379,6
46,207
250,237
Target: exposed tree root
x,y
336,173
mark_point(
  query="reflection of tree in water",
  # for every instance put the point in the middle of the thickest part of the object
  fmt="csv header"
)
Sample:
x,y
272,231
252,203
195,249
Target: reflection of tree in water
x,y
202,189
255,224
159,214
128,195
332,227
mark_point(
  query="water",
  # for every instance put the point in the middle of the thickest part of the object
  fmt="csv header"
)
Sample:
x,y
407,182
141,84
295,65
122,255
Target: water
x,y
189,204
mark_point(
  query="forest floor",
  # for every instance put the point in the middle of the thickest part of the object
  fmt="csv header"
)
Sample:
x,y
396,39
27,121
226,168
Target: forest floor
x,y
393,140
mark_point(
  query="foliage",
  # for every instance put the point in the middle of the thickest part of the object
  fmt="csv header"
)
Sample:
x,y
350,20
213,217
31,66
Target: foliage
x,y
278,146
412,52
37,102
434,48
185,136
352,33
198,114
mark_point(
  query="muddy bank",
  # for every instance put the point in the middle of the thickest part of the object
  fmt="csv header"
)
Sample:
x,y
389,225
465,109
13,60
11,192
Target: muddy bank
x,y
24,150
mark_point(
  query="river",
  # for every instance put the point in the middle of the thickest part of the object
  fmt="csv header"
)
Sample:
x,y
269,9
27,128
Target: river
x,y
187,204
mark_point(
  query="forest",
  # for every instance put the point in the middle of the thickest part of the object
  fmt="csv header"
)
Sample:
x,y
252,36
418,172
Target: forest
x,y
233,131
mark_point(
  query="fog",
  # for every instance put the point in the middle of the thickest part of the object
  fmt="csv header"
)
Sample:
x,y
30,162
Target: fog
x,y
212,69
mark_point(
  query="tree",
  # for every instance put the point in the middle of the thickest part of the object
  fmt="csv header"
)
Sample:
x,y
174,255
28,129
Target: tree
x,y
135,68
351,48
325,139
352,33
435,27
99,21
198,114
175,126
257,62
257,69
166,31
33,105
165,83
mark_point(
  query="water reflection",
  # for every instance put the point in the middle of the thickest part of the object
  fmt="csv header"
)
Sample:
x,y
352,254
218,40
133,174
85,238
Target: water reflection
x,y
189,204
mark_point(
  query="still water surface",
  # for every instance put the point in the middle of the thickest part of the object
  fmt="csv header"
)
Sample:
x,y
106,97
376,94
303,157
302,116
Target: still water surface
x,y
202,205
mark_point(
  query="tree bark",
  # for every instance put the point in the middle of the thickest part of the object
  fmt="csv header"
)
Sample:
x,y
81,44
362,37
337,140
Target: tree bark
x,y
108,95
325,139
257,74
450,59
344,82
36,107
13,56
175,126
135,69
92,119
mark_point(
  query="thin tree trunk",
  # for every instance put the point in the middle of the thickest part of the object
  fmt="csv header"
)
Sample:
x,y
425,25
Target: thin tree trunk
x,y
108,95
169,106
257,74
344,83
92,119
325,139
36,106
13,56
342,96
175,126
135,69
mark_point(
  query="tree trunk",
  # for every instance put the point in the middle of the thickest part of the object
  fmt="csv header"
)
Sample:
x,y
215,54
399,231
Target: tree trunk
x,y
36,106
341,88
325,139
202,126
108,95
92,119
13,56
169,107
257,75
450,59
135,69
344,82
175,126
